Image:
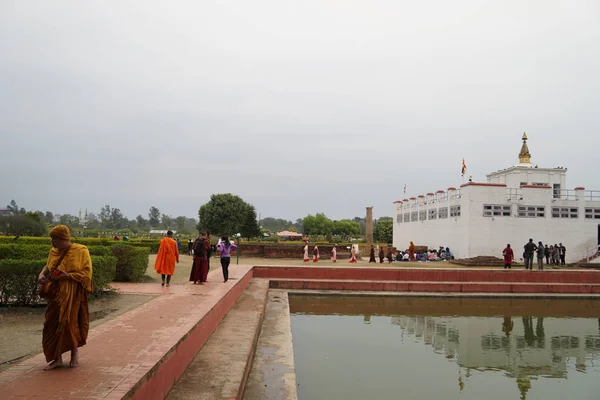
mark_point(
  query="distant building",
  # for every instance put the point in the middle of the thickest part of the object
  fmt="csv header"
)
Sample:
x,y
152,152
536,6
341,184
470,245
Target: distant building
x,y
160,232
515,204
4,211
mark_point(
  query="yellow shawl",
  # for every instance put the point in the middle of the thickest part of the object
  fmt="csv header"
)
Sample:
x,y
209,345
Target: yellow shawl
x,y
78,264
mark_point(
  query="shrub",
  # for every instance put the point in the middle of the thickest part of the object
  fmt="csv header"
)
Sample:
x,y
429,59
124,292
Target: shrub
x,y
18,281
153,244
22,225
18,278
132,262
40,251
104,271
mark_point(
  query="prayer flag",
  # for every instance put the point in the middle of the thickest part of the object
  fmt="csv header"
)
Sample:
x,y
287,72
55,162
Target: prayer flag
x,y
464,168
404,188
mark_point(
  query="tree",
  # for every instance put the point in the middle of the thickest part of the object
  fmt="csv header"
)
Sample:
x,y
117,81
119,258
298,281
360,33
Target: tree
x,y
154,217
105,216
346,228
14,208
383,230
167,221
22,225
228,214
142,223
117,220
362,223
317,225
69,220
49,217
179,223
92,221
275,224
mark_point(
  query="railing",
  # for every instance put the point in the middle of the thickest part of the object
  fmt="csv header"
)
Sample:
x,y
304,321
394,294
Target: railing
x,y
592,252
442,196
592,195
514,194
455,195
565,194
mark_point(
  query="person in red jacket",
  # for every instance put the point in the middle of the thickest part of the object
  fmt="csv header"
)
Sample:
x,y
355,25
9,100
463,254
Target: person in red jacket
x,y
509,256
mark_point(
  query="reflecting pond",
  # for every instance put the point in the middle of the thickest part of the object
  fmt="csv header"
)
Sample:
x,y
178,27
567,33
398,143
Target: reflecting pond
x,y
359,347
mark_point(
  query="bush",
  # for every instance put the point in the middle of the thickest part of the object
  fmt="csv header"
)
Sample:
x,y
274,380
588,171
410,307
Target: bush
x,y
18,281
153,244
132,262
22,225
18,278
40,251
103,272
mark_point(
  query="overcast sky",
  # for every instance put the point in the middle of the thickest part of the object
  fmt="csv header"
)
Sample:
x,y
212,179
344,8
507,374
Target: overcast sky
x,y
296,106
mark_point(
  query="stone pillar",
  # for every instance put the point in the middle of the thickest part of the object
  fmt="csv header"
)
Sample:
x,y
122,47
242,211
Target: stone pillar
x,y
369,228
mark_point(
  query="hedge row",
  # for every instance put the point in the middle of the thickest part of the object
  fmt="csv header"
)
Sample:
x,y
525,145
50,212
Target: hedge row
x,y
18,278
40,251
153,244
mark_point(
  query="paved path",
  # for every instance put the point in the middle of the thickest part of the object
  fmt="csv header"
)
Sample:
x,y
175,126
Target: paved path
x,y
120,352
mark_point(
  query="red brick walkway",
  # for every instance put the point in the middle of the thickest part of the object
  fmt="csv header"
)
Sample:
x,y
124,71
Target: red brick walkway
x,y
123,352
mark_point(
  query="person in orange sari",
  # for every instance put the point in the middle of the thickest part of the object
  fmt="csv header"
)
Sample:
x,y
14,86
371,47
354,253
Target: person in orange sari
x,y
167,257
67,281
411,251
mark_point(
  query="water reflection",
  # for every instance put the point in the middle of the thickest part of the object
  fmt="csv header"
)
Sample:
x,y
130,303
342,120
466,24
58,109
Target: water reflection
x,y
522,348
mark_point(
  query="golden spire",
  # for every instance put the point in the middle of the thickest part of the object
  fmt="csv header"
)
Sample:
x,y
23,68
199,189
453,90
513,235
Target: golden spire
x,y
524,156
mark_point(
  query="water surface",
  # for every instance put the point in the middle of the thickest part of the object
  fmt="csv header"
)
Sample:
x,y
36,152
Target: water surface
x,y
354,347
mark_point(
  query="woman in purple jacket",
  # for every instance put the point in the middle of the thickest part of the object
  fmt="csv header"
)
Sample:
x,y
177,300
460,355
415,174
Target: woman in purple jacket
x,y
225,248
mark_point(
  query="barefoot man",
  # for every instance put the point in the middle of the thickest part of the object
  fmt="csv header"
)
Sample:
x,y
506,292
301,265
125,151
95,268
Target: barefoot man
x,y
66,281
167,257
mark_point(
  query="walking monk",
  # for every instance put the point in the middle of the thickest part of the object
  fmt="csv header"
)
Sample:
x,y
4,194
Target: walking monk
x,y
65,281
199,272
411,251
167,256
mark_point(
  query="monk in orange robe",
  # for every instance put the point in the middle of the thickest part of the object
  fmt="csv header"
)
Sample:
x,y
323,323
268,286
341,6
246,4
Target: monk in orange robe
x,y
411,251
167,257
66,281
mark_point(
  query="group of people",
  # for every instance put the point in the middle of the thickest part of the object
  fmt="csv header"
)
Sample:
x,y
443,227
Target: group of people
x,y
554,255
200,249
316,255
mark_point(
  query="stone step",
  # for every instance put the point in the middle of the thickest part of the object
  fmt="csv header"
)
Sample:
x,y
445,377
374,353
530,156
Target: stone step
x,y
428,274
220,370
436,286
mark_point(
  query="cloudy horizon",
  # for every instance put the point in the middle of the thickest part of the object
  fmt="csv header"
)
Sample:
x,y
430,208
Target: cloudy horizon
x,y
298,107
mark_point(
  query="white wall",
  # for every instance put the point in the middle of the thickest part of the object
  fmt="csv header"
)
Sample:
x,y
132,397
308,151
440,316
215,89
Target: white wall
x,y
472,234
513,177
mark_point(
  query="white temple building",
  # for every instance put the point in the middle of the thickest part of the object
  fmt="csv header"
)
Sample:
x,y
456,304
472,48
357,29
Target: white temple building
x,y
515,204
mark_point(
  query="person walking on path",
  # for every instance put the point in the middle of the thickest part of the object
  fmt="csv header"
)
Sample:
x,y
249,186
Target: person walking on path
x,y
372,255
334,253
211,248
315,253
390,255
306,253
65,281
540,256
411,251
225,248
352,255
530,249
190,247
556,255
199,271
167,257
509,256
562,251
381,254
547,254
